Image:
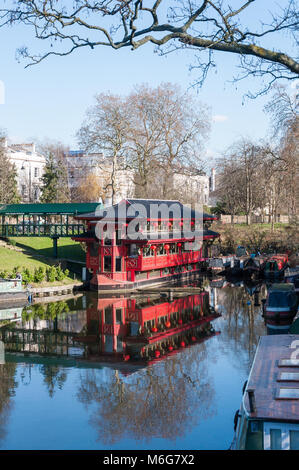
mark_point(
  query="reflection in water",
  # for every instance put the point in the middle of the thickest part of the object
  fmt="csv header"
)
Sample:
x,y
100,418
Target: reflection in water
x,y
164,401
154,401
146,363
240,306
7,386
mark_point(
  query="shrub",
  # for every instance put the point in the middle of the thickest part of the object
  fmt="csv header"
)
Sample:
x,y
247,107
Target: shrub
x,y
60,275
39,274
27,276
51,274
15,270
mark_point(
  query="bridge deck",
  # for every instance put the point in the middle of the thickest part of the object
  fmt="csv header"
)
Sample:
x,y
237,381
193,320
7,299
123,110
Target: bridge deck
x,y
43,220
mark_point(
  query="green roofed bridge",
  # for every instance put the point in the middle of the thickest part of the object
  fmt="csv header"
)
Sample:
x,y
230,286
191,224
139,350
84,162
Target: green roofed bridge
x,y
43,220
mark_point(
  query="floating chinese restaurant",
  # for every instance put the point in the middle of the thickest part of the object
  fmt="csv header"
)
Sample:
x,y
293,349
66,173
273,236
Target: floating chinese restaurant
x,y
141,242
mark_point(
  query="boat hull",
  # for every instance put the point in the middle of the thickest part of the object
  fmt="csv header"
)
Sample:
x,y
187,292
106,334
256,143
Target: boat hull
x,y
96,284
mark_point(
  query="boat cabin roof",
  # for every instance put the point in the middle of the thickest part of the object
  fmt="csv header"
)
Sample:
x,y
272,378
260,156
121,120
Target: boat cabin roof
x,y
282,287
274,380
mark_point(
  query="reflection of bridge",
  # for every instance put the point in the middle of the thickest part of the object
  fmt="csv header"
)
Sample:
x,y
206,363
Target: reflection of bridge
x,y
43,220
123,333
47,342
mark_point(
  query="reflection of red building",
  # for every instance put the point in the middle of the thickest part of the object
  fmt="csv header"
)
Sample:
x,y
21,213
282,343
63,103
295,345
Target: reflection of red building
x,y
118,258
142,331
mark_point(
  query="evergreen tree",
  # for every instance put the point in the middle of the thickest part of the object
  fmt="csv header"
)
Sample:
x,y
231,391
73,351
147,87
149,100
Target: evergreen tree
x,y
8,179
55,184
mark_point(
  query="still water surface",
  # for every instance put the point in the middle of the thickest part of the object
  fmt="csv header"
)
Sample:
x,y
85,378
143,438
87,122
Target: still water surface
x,y
138,373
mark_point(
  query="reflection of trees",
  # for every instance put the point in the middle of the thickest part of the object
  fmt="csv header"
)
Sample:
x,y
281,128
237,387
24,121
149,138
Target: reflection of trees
x,y
159,401
54,377
7,386
242,323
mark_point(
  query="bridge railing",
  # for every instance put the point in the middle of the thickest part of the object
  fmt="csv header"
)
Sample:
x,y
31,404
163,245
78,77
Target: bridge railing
x,y
41,230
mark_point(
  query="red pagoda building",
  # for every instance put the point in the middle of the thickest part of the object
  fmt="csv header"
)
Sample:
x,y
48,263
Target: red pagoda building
x,y
141,242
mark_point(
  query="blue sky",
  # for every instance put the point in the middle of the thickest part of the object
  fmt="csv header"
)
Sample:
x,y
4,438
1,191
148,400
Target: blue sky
x,y
49,100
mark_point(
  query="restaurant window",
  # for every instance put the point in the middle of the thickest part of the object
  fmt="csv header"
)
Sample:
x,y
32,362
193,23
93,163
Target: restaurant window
x,y
118,235
107,263
118,264
93,249
118,314
108,316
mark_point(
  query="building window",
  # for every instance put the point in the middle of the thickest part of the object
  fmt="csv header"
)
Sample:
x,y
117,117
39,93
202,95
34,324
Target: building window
x,y
107,263
118,315
36,193
108,316
118,264
36,172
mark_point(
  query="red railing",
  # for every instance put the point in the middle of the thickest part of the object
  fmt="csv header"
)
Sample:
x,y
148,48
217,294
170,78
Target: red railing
x,y
162,261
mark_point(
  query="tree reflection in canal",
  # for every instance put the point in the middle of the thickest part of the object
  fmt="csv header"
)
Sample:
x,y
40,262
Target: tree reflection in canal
x,y
242,322
143,367
7,387
164,400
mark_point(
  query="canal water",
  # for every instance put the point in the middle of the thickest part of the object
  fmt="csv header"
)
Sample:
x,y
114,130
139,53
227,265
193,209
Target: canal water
x,y
145,372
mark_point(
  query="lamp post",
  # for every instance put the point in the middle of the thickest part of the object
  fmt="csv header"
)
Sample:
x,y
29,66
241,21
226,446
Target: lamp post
x,y
24,168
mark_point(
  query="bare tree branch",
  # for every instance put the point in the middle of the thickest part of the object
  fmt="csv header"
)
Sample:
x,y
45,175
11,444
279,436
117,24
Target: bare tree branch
x,y
214,26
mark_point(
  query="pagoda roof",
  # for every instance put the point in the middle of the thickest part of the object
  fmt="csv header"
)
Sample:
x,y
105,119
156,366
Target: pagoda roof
x,y
149,209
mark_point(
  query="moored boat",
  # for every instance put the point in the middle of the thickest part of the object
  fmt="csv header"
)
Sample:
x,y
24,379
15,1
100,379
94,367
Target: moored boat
x,y
281,304
268,418
275,266
291,275
12,290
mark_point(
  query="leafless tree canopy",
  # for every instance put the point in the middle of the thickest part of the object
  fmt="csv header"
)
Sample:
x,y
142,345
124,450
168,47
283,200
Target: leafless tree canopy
x,y
244,28
153,133
263,176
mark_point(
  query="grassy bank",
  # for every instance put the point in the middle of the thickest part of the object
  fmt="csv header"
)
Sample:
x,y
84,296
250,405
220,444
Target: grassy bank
x,y
43,246
259,237
32,254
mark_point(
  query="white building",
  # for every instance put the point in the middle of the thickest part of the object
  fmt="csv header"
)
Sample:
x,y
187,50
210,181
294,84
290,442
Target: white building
x,y
193,188
80,165
30,166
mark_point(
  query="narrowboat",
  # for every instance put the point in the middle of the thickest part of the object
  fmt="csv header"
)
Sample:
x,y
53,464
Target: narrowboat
x,y
291,275
142,242
275,266
11,314
281,304
245,267
12,290
268,418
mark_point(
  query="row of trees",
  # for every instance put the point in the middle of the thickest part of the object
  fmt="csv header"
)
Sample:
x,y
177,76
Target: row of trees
x,y
141,140
260,177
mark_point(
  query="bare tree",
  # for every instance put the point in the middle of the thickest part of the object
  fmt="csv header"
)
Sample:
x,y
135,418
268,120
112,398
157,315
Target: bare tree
x,y
144,138
240,184
283,110
105,130
228,189
148,135
208,27
167,131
